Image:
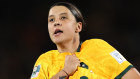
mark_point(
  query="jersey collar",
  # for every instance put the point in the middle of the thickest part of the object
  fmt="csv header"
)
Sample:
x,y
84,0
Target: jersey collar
x,y
78,50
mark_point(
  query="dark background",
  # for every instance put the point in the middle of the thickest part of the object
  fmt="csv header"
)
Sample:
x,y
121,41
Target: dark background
x,y
24,34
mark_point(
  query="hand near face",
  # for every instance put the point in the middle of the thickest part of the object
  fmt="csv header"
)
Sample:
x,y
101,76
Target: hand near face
x,y
71,64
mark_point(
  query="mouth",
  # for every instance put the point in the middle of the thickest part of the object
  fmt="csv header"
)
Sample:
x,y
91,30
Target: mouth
x,y
58,32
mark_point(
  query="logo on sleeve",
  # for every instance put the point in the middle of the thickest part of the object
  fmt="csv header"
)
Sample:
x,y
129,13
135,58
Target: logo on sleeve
x,y
115,54
35,71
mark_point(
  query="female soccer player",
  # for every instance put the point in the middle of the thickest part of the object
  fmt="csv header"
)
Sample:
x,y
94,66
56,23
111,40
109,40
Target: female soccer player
x,y
92,59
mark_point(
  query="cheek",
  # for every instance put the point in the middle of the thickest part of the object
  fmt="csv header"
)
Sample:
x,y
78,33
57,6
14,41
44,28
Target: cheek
x,y
70,28
71,24
49,29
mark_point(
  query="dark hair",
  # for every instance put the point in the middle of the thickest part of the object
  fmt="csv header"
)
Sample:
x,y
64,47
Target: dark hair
x,y
74,10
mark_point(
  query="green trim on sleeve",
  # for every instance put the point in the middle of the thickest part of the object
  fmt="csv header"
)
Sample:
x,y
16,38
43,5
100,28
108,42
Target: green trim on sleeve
x,y
124,72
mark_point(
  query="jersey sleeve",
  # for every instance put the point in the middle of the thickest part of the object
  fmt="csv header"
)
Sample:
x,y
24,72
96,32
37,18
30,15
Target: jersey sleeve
x,y
114,62
40,69
109,62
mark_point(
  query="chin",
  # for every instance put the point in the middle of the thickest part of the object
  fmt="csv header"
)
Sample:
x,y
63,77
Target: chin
x,y
58,41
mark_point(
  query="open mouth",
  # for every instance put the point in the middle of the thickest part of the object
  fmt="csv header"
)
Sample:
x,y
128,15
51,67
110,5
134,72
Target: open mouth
x,y
58,31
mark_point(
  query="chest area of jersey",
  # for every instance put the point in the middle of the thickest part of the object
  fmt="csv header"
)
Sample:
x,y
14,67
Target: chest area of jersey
x,y
87,70
82,72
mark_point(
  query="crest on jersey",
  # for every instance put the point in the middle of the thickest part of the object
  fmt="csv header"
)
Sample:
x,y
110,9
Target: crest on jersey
x,y
115,54
35,71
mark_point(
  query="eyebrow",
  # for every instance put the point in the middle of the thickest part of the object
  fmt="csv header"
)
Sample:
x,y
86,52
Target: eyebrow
x,y
59,14
63,13
51,16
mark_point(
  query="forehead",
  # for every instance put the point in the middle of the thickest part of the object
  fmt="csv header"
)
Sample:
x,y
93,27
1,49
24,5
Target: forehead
x,y
56,10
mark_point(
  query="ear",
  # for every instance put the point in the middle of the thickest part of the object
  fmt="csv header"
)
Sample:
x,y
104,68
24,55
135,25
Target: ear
x,y
78,27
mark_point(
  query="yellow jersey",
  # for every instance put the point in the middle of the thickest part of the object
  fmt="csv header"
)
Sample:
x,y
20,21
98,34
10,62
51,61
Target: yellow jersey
x,y
99,60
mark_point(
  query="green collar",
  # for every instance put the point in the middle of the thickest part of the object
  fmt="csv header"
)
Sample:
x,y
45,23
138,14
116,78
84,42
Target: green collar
x,y
78,50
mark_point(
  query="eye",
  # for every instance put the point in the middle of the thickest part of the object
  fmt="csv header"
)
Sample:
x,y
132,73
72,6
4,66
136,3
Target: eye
x,y
51,20
63,17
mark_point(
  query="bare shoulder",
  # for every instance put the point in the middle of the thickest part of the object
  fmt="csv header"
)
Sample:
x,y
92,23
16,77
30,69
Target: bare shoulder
x,y
132,74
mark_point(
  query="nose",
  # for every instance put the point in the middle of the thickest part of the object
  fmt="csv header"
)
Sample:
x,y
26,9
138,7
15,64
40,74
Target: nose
x,y
57,24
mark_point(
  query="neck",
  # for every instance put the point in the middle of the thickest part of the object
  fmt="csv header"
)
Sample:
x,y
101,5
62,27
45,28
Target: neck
x,y
69,46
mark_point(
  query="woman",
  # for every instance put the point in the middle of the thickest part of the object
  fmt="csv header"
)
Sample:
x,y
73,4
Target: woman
x,y
96,59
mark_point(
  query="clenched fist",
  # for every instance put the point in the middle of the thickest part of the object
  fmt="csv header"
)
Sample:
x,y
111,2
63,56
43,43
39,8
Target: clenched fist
x,y
71,64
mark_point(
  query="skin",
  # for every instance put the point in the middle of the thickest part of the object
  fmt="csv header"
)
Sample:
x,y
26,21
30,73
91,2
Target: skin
x,y
68,41
61,18
132,74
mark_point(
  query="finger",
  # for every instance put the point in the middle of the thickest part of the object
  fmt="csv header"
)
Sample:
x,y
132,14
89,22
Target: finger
x,y
73,54
79,64
78,59
66,55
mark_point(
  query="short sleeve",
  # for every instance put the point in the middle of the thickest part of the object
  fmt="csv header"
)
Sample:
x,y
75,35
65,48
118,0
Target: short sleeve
x,y
106,59
114,63
40,70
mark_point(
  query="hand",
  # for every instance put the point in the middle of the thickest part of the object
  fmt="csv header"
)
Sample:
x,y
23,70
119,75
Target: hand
x,y
71,64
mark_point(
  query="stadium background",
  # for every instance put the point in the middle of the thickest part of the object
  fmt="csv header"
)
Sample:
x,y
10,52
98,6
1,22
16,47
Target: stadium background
x,y
24,34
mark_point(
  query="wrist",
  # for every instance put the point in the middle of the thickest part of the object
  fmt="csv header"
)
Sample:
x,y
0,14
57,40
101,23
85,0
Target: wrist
x,y
65,72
